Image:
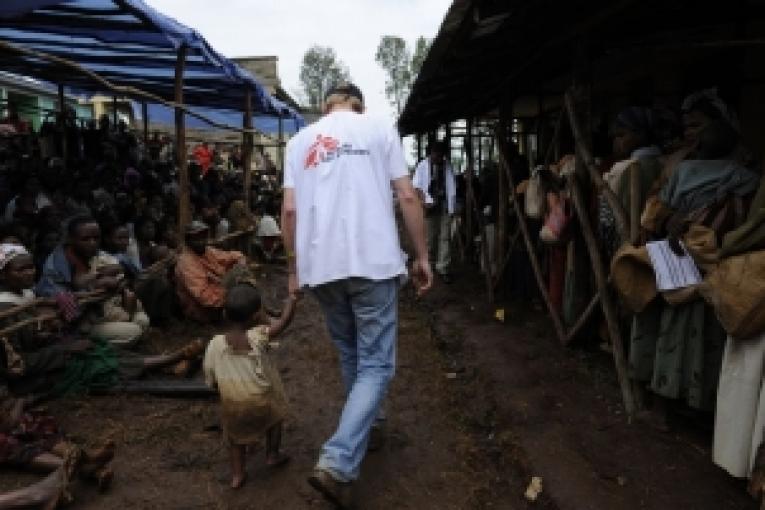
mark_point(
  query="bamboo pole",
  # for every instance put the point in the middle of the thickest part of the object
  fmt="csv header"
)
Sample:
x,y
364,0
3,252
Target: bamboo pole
x,y
184,205
247,149
557,323
613,201
609,310
120,90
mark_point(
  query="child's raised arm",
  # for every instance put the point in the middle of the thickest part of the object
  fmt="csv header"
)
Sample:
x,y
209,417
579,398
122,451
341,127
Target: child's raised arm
x,y
276,326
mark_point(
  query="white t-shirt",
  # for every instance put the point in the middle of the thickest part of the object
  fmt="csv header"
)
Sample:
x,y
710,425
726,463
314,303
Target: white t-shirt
x,y
341,169
421,181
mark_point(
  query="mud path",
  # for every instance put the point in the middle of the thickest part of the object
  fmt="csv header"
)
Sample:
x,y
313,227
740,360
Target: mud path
x,y
441,453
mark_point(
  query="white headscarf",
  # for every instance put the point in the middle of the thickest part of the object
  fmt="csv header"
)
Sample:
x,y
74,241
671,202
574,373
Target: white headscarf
x,y
9,252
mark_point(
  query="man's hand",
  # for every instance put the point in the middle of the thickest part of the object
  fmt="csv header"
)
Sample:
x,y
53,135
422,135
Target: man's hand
x,y
422,275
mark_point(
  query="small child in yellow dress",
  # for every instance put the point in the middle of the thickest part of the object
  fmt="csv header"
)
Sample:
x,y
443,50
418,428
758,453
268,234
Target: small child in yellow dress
x,y
253,401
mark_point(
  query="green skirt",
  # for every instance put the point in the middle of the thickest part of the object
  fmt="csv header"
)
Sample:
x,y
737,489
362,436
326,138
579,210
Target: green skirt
x,y
99,368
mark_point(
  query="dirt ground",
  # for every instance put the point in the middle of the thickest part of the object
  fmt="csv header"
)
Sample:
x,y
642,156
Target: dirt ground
x,y
476,409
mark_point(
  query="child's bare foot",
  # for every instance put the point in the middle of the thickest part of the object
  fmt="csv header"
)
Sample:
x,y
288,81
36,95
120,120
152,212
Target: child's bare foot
x,y
275,460
237,481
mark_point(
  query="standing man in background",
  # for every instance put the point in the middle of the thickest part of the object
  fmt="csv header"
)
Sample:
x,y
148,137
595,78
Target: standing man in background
x,y
341,240
435,183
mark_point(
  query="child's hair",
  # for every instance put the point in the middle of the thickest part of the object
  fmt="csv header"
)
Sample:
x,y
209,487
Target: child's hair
x,y
242,302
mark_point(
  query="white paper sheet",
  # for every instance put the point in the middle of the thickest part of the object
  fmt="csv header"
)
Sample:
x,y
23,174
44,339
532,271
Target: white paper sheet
x,y
672,272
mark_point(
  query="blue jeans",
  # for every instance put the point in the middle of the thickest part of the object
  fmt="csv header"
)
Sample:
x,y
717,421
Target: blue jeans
x,y
362,318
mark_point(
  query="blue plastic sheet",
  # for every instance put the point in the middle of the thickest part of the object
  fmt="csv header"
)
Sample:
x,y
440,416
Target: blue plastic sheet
x,y
128,43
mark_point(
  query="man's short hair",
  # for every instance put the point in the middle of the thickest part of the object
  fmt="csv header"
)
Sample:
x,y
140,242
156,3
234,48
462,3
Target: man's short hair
x,y
242,302
344,94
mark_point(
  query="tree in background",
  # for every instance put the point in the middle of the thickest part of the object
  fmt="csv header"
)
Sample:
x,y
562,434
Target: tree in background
x,y
393,56
421,48
319,71
401,66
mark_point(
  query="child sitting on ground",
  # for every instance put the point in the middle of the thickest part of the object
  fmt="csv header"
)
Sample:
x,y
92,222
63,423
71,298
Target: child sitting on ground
x,y
253,401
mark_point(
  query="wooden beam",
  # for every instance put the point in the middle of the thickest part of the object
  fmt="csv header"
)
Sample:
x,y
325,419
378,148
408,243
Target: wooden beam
x,y
247,149
121,90
184,202
613,201
535,266
606,301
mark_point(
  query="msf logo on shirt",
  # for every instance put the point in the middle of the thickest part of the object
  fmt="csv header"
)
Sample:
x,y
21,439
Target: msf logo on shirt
x,y
326,149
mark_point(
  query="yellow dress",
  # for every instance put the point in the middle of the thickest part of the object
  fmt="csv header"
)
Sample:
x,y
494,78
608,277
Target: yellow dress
x,y
251,391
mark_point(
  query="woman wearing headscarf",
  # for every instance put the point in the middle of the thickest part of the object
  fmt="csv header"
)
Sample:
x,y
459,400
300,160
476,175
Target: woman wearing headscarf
x,y
49,363
676,349
636,145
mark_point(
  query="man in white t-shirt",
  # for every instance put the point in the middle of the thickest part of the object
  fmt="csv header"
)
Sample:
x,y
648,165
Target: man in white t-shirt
x,y
434,181
341,240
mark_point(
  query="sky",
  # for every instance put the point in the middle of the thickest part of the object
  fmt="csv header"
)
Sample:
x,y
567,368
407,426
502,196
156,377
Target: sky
x,y
287,28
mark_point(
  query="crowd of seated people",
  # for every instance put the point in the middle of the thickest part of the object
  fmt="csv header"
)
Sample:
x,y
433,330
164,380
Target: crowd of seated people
x,y
90,259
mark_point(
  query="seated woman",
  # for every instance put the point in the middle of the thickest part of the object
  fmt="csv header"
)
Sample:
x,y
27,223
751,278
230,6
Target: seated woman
x,y
146,237
201,273
70,269
34,361
151,284
676,350
31,440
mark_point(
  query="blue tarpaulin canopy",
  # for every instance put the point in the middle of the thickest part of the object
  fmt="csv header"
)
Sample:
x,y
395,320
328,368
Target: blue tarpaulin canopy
x,y
160,114
130,44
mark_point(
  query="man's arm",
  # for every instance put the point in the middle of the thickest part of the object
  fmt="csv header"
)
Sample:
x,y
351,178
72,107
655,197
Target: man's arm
x,y
288,237
411,210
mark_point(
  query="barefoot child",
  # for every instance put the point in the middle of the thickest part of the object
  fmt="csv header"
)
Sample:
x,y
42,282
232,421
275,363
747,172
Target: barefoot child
x,y
253,402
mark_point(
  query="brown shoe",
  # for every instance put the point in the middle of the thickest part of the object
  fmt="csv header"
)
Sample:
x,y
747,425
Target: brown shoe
x,y
336,492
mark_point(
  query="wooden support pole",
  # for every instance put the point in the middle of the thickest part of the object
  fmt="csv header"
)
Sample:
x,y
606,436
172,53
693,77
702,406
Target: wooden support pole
x,y
613,201
609,309
281,144
635,204
500,234
145,115
247,149
469,172
485,247
62,125
114,112
184,202
582,320
535,266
